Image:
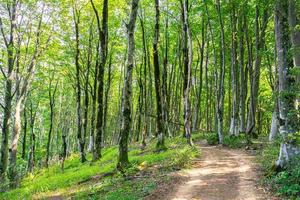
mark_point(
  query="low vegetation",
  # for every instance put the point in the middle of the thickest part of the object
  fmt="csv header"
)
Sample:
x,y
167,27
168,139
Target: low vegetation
x,y
99,180
286,183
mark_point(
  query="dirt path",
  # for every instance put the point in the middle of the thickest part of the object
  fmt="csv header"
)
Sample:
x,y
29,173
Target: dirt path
x,y
221,174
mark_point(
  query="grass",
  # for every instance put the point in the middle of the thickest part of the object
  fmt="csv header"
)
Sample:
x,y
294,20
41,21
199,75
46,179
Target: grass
x,y
85,180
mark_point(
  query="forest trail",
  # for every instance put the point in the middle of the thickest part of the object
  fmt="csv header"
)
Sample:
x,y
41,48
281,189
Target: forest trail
x,y
221,174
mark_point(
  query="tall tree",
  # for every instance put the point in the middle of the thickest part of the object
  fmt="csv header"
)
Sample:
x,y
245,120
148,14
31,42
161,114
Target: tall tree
x,y
220,85
287,127
9,44
127,90
103,38
158,88
52,93
260,33
188,61
81,140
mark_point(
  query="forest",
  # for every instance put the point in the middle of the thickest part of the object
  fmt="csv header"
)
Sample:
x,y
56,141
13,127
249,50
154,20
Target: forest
x,y
150,99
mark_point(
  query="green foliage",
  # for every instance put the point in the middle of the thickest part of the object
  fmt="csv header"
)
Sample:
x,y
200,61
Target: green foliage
x,y
233,141
79,179
285,183
212,139
268,157
295,137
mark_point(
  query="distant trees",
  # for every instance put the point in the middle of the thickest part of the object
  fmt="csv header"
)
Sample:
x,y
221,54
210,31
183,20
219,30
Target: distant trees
x,y
206,66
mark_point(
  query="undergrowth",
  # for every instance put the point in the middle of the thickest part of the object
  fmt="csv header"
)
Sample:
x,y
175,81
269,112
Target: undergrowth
x,y
234,142
230,141
285,183
100,180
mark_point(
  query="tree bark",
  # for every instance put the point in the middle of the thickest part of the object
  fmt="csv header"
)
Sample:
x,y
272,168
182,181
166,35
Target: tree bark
x,y
234,123
221,92
188,61
160,132
123,161
288,148
8,96
31,157
24,140
81,140
103,38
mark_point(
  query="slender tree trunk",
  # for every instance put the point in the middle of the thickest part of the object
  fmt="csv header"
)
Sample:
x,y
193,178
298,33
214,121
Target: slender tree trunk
x,y
220,94
103,38
145,91
94,105
24,134
158,88
107,90
188,61
86,86
8,96
197,114
123,161
81,140
234,124
255,75
51,104
243,74
31,157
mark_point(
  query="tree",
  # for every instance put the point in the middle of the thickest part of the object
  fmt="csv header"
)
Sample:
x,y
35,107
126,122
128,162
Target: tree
x,y
188,61
9,44
287,126
103,38
127,90
158,88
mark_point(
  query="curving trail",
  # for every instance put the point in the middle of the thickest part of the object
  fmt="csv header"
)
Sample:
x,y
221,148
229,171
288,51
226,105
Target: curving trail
x,y
221,174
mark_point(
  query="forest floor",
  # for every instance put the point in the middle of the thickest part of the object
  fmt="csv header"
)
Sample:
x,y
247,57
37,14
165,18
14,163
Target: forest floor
x,y
219,174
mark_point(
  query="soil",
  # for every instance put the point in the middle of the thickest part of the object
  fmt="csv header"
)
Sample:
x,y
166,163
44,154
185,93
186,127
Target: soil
x,y
219,174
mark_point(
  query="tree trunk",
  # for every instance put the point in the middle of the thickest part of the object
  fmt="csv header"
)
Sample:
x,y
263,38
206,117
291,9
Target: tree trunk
x,y
24,134
294,23
274,124
31,157
8,96
94,105
103,38
13,176
234,123
220,94
158,88
243,78
81,140
188,61
255,75
288,149
123,161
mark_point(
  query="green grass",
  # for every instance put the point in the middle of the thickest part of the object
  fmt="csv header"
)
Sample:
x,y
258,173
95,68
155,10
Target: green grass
x,y
77,178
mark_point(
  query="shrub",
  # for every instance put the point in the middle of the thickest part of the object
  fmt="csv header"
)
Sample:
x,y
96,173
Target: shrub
x,y
287,182
212,139
233,141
